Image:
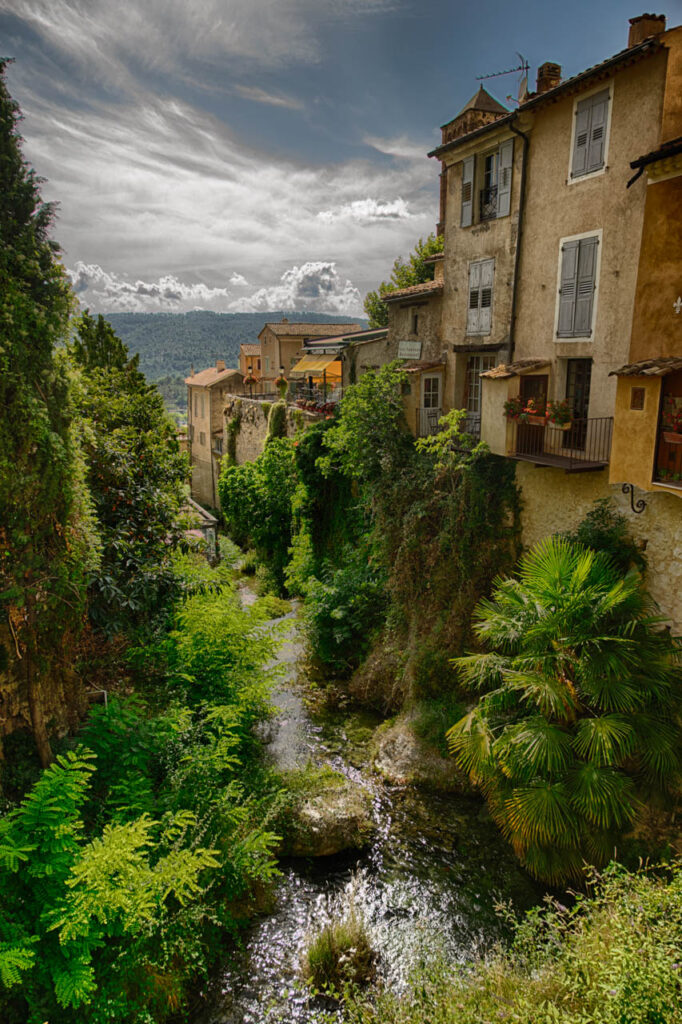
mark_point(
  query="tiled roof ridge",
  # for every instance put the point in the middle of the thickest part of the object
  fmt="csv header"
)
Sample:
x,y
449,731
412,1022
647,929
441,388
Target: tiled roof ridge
x,y
425,288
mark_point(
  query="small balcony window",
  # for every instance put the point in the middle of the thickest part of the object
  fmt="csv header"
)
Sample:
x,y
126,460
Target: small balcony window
x,y
669,448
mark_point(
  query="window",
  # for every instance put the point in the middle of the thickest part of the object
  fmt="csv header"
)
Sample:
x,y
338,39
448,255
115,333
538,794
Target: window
x,y
476,365
218,444
267,364
589,134
196,403
191,432
202,439
415,323
203,407
259,364
480,296
494,198
637,399
577,287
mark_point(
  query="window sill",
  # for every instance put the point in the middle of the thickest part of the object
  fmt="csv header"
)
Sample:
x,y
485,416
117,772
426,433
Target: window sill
x,y
587,177
559,339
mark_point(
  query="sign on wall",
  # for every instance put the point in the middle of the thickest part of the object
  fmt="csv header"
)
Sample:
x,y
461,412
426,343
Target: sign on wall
x,y
409,349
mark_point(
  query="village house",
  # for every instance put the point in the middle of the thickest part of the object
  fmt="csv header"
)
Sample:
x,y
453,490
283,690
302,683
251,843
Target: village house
x,y
206,395
282,345
249,360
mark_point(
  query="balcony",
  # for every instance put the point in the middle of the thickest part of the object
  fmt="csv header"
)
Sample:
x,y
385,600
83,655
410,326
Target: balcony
x,y
487,203
427,421
580,447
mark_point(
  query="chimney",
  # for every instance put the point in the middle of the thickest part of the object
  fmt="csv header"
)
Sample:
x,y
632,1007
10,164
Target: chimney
x,y
285,319
191,369
220,364
644,26
549,76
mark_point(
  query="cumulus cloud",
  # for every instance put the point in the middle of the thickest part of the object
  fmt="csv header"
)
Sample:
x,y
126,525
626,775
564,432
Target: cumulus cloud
x,y
367,211
314,286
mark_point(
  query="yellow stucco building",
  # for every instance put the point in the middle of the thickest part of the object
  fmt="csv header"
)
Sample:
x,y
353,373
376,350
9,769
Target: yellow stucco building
x,y
206,396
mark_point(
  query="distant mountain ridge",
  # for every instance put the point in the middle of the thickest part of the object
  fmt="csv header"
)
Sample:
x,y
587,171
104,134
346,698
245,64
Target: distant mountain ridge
x,y
169,344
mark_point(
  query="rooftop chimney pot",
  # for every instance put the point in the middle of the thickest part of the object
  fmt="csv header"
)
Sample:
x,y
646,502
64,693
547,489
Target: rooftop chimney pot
x,y
285,319
220,365
549,76
644,26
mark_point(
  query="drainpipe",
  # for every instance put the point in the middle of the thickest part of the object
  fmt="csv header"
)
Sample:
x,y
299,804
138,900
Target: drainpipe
x,y
519,234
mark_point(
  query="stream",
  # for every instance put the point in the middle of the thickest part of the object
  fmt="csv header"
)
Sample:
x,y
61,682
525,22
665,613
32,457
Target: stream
x,y
426,885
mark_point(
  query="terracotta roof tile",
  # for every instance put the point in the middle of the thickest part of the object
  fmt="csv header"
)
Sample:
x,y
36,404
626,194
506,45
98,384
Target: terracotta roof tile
x,y
207,378
425,288
521,366
308,330
658,367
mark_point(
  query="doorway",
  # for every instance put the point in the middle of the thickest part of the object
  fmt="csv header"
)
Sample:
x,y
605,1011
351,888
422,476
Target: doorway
x,y
578,377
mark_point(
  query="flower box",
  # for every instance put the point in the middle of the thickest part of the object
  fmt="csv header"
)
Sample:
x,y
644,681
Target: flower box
x,y
536,421
670,437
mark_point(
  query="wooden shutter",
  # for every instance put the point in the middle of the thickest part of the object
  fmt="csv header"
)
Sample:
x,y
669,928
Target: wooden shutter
x,y
568,288
486,304
587,264
504,178
468,167
595,151
582,138
473,318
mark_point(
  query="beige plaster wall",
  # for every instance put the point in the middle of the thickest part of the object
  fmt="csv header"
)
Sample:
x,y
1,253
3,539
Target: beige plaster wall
x,y
554,502
490,239
556,208
494,425
400,317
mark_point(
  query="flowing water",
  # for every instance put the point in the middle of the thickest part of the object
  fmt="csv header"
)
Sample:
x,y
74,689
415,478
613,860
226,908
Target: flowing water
x,y
426,886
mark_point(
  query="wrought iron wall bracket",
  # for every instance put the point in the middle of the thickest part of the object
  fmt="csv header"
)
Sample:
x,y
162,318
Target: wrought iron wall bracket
x,y
636,506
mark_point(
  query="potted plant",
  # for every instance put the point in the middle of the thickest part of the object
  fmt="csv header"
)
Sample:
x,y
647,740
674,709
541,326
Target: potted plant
x,y
281,383
250,380
512,408
532,413
672,421
559,413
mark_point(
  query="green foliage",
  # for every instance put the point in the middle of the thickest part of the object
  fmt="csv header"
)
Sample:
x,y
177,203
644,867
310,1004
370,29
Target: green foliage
x,y
233,425
47,538
137,477
609,959
339,954
403,275
277,421
578,717
605,529
344,608
256,502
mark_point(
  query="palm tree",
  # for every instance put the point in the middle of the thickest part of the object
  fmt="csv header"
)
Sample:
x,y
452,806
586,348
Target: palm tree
x,y
577,724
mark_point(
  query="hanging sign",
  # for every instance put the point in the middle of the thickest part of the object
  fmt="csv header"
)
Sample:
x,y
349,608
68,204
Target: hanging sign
x,y
409,350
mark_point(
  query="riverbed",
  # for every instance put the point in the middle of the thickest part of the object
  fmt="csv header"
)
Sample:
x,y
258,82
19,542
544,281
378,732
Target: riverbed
x,y
426,885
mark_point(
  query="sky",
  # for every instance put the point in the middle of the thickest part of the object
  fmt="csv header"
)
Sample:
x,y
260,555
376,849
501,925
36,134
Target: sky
x,y
247,155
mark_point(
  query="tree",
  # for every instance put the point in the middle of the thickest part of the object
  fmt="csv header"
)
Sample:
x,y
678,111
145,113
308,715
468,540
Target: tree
x,y
137,477
46,536
403,275
578,721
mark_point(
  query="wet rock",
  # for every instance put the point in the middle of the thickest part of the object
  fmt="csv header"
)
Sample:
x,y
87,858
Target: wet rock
x,y
403,758
336,819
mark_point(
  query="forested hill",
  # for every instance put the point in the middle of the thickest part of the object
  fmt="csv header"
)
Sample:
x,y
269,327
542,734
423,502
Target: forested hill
x,y
170,343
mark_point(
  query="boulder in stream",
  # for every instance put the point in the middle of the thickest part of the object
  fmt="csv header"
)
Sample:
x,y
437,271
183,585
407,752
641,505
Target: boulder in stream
x,y
329,814
403,758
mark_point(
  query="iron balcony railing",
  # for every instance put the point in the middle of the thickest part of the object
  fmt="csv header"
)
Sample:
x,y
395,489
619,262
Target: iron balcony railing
x,y
578,447
487,199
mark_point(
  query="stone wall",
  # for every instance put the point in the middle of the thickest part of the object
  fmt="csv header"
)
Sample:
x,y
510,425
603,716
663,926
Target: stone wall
x,y
554,501
253,425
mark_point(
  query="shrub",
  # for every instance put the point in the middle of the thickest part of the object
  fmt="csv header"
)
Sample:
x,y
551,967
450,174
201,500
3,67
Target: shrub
x,y
277,421
339,954
578,721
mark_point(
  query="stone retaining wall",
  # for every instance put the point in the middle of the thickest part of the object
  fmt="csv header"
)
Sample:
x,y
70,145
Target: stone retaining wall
x,y
252,429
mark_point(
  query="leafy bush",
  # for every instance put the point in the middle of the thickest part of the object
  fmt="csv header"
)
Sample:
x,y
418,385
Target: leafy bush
x,y
277,421
343,609
339,954
578,719
610,959
605,529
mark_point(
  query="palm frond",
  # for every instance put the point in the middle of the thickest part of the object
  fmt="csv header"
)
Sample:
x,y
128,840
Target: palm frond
x,y
603,795
543,813
604,741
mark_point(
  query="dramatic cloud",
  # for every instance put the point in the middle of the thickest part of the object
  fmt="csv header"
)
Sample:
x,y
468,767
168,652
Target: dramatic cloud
x,y
367,211
316,286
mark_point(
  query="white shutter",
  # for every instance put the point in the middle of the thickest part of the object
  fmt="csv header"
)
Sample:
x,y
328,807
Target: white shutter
x,y
595,149
582,137
587,265
468,167
504,178
473,318
567,288
486,303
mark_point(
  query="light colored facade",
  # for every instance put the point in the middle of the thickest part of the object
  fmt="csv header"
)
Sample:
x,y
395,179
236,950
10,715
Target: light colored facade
x,y
250,360
207,392
282,345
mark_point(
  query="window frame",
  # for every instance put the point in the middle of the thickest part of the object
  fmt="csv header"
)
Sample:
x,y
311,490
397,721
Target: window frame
x,y
480,262
571,339
572,179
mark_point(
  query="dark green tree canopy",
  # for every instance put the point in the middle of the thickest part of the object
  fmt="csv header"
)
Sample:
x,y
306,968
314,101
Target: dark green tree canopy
x,y
405,273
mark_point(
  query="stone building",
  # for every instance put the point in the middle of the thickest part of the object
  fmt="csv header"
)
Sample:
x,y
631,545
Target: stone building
x,y
250,360
589,292
206,397
282,345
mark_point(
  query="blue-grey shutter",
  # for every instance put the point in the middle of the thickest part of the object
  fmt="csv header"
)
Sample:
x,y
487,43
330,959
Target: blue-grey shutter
x,y
473,318
595,152
568,288
587,264
582,137
486,293
467,191
504,178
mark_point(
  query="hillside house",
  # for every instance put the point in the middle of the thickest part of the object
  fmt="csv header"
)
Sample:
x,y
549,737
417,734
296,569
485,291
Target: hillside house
x,y
282,346
206,395
249,360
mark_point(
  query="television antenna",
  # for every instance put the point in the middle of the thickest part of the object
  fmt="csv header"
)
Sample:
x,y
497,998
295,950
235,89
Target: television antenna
x,y
523,68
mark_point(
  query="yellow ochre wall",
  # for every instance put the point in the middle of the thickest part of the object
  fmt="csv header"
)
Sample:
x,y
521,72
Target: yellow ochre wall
x,y
635,432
